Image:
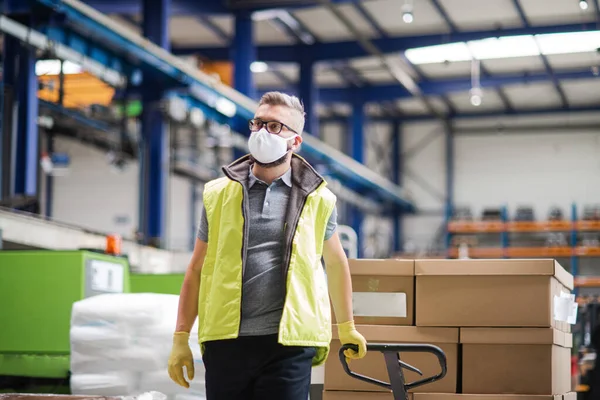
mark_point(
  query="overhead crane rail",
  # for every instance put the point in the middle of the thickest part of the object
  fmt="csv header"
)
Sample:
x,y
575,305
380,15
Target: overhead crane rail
x,y
206,92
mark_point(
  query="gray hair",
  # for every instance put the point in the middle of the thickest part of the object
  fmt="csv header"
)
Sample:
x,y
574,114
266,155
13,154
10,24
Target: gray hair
x,y
283,99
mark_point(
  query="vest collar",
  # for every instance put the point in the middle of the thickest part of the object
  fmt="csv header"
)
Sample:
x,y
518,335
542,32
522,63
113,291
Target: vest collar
x,y
304,176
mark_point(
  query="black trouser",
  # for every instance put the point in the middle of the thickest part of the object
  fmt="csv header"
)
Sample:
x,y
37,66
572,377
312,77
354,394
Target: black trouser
x,y
257,367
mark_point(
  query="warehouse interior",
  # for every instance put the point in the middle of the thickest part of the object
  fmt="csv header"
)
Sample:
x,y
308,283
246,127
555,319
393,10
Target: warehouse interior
x,y
460,137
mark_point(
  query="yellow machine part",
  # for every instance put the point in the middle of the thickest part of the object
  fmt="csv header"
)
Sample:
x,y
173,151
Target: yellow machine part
x,y
80,90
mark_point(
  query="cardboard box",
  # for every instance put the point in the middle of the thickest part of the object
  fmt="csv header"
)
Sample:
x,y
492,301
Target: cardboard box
x,y
383,291
346,395
373,365
444,396
533,361
490,293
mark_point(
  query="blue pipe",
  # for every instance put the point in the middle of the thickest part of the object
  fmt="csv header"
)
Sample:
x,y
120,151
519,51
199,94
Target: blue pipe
x,y
397,150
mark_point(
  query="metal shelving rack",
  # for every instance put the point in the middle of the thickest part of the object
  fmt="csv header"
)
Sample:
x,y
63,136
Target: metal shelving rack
x,y
503,227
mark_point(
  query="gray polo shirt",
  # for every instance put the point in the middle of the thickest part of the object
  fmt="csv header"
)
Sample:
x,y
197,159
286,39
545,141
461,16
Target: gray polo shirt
x,y
263,286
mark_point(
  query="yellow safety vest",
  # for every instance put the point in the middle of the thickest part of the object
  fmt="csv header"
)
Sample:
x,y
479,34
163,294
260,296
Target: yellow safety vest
x,y
306,318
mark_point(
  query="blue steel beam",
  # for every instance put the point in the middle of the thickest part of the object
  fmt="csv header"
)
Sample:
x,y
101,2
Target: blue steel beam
x,y
213,95
154,144
547,67
483,114
243,55
454,29
352,49
187,7
397,163
438,87
357,151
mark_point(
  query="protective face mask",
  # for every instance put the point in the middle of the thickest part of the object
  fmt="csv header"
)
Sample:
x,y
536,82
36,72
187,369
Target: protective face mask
x,y
266,147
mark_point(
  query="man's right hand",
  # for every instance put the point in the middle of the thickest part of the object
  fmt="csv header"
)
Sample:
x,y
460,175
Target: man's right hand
x,y
181,356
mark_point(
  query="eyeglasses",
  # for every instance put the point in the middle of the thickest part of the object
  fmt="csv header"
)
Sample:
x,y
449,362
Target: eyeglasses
x,y
273,127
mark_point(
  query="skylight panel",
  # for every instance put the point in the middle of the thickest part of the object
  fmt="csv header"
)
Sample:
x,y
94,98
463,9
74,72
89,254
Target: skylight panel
x,y
438,54
507,47
572,42
504,47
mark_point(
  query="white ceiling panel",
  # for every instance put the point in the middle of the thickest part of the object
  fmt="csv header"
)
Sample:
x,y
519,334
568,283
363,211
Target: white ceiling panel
x,y
358,20
412,106
583,92
365,62
265,32
189,31
574,61
490,101
341,108
377,76
446,70
415,106
224,22
512,65
290,70
323,24
329,79
388,13
535,95
267,80
481,14
541,12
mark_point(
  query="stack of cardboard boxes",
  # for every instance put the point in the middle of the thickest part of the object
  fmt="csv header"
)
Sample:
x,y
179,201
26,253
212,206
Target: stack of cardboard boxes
x,y
503,324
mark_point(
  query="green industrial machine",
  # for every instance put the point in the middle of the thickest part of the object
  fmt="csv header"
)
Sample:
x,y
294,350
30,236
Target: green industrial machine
x,y
156,283
37,292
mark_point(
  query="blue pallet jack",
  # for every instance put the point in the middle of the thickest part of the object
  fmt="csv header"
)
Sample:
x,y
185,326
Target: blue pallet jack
x,y
395,366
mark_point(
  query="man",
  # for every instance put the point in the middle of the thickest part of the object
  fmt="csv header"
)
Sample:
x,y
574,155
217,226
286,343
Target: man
x,y
256,280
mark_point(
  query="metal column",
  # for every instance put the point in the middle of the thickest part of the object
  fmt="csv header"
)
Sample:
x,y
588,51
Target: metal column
x,y
27,140
397,177
244,54
309,94
357,152
449,177
9,78
154,154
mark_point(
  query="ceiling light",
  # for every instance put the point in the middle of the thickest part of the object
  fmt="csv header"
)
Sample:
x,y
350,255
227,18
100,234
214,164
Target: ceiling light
x,y
259,66
583,4
407,13
476,97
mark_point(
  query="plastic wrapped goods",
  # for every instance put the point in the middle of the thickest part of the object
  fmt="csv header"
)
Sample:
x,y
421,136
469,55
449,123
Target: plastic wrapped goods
x,y
120,346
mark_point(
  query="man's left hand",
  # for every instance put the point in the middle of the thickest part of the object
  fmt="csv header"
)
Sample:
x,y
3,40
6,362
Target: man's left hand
x,y
349,335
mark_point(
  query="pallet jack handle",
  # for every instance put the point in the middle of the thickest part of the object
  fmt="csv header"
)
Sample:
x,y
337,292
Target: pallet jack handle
x,y
397,384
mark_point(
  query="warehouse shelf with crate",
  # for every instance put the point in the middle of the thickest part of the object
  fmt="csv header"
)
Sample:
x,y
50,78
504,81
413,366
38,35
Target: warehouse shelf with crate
x,y
456,140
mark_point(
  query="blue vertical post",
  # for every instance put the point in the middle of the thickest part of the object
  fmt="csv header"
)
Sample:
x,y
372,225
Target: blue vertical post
x,y
49,179
27,140
309,94
357,152
504,239
154,154
574,257
243,54
449,132
10,68
397,177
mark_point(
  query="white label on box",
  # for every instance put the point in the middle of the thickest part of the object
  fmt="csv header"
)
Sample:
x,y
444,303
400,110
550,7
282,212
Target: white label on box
x,y
376,304
106,276
565,308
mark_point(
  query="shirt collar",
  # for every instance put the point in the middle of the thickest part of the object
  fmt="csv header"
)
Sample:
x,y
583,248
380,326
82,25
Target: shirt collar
x,y
285,178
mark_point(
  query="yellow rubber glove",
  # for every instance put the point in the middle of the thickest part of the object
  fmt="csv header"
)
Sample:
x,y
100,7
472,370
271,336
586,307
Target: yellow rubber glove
x,y
181,356
349,335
